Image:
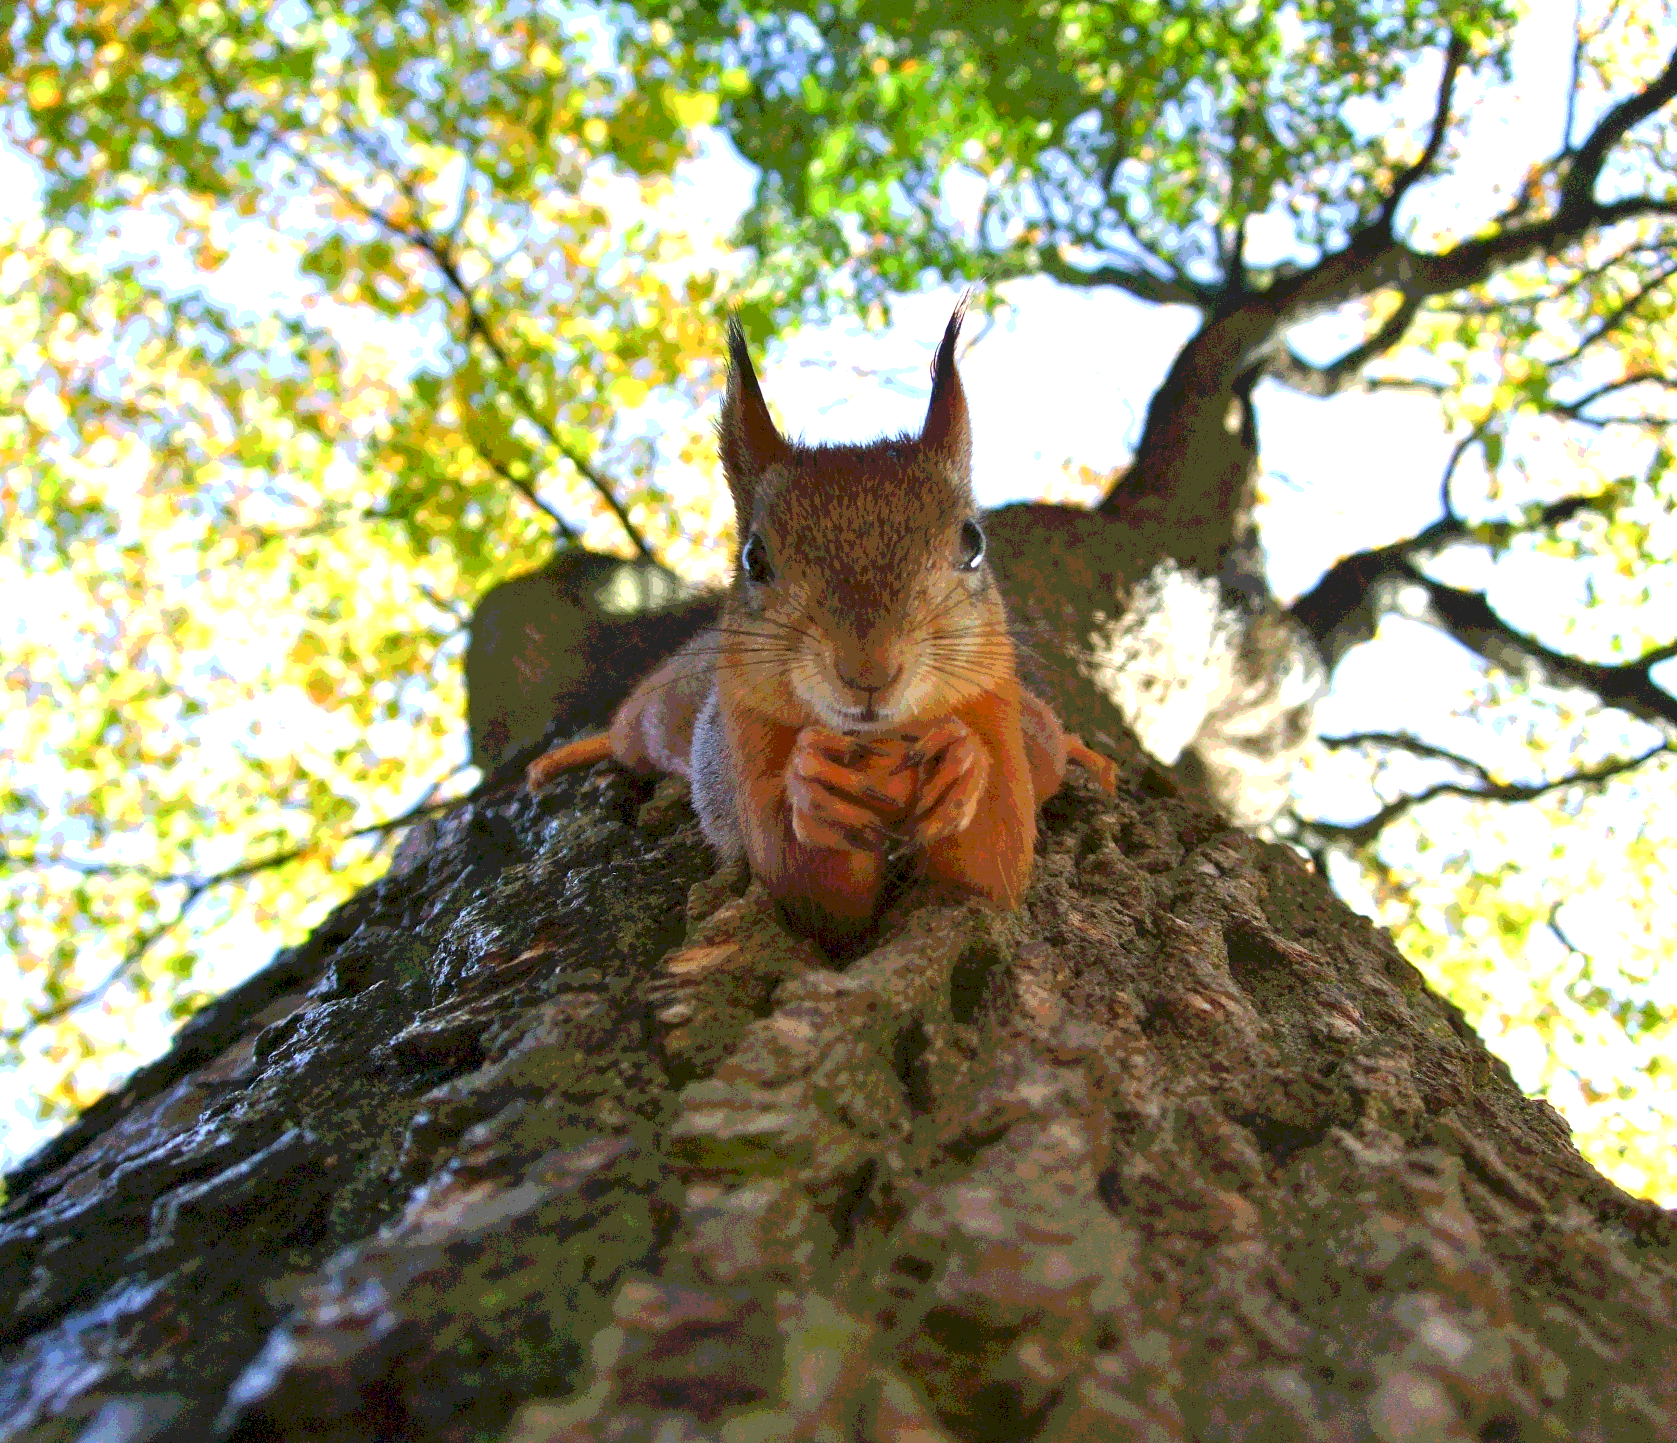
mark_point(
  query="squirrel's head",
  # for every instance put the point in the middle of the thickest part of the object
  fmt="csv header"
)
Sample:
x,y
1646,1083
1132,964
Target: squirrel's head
x,y
861,593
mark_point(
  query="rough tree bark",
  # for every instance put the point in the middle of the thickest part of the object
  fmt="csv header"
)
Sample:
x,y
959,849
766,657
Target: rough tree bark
x,y
555,1133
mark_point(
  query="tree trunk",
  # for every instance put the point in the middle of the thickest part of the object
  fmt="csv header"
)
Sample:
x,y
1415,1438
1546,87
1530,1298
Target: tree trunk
x,y
555,1133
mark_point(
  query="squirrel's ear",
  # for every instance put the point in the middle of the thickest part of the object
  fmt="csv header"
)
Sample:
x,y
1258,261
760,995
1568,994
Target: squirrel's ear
x,y
750,444
946,430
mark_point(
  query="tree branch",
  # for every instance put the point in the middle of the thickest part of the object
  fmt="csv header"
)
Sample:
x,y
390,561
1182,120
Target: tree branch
x,y
1454,58
1234,261
1614,318
1469,618
1574,409
1363,267
196,887
1578,190
566,531
1141,284
1291,370
477,326
1445,505
1405,742
1374,259
1405,383
131,958
1345,606
1559,932
462,619
1183,437
37,861
1639,250
1576,77
1317,834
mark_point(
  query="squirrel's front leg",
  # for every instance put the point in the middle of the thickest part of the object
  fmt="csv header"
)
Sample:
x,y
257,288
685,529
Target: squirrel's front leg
x,y
1049,746
652,730
976,815
818,851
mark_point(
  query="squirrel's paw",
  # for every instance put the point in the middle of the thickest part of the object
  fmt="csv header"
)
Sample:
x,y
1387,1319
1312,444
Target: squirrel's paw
x,y
1103,769
953,770
545,770
847,793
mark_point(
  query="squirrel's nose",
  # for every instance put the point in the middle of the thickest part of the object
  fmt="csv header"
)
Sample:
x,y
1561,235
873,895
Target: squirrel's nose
x,y
869,673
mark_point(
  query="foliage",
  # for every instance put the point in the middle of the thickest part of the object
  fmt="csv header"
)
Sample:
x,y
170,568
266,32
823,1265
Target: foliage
x,y
996,139
322,324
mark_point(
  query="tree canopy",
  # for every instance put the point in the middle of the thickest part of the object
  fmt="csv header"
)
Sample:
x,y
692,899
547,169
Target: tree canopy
x,y
1328,188
326,322
321,324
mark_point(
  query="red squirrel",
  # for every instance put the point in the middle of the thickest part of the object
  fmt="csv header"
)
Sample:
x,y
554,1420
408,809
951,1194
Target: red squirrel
x,y
858,696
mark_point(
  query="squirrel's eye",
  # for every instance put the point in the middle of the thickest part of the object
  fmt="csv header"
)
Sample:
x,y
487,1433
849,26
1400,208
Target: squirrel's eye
x,y
754,560
970,551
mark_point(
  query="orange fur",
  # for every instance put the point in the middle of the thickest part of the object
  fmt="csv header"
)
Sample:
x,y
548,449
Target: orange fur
x,y
1047,746
826,891
580,753
652,731
993,855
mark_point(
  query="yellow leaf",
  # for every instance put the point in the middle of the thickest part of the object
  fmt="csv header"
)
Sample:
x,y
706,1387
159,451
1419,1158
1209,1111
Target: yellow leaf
x,y
690,108
629,391
44,90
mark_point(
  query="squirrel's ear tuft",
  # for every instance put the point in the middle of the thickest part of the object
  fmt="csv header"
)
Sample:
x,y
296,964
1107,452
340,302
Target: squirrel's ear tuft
x,y
750,444
946,431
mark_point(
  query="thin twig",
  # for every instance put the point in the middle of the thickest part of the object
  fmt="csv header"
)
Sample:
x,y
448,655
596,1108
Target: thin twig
x,y
1445,504
1407,743
1554,925
137,949
1454,58
196,887
566,531
477,326
1360,834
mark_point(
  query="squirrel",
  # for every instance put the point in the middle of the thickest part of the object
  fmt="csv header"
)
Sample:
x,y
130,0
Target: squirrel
x,y
858,696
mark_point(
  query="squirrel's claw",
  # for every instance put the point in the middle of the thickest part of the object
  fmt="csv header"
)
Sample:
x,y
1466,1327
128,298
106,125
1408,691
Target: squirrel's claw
x,y
1103,769
885,795
842,796
952,782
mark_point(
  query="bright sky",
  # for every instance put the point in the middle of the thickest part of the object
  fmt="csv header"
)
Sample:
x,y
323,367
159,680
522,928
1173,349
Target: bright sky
x,y
1048,385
